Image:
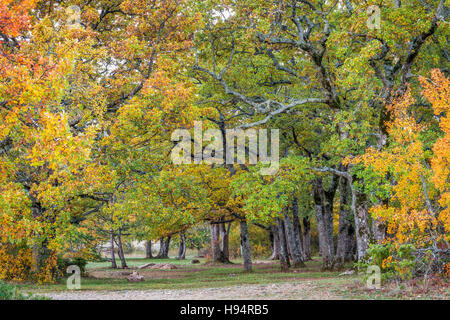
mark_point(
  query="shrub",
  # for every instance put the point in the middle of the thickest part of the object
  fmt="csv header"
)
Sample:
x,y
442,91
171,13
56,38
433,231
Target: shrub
x,y
394,262
259,241
10,292
64,263
15,263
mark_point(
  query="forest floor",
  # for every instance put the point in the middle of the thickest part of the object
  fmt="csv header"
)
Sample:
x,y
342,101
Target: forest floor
x,y
206,281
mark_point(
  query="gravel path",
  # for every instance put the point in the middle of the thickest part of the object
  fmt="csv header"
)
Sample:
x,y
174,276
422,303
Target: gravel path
x,y
297,291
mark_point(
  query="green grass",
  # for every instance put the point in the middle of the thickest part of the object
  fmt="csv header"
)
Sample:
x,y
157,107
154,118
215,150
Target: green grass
x,y
11,292
192,276
135,262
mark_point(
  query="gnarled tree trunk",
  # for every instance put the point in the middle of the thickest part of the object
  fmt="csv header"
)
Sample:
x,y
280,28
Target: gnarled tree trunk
x,y
245,245
307,238
164,245
323,205
346,233
275,243
359,204
182,247
120,250
161,248
148,249
325,243
361,216
284,255
294,243
215,243
297,226
378,230
113,256
217,252
225,235
166,248
40,252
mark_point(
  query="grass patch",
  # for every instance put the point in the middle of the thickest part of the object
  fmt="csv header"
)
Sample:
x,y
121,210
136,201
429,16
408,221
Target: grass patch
x,y
189,276
9,291
135,262
205,275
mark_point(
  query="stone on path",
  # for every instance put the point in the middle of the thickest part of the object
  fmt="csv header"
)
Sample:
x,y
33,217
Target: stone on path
x,y
346,273
135,277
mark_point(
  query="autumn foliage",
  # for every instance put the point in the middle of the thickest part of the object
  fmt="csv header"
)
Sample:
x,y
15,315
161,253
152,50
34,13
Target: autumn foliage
x,y
416,206
91,92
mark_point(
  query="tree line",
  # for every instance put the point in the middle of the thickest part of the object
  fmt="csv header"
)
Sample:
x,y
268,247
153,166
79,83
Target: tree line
x,y
91,94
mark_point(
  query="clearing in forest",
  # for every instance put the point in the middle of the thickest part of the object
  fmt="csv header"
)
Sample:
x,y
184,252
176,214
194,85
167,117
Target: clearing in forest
x,y
222,281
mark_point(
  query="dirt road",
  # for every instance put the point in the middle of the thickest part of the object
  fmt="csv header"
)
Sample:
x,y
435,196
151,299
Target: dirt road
x,y
299,291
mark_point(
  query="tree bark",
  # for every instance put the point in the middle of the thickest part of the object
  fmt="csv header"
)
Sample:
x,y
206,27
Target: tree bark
x,y
215,243
166,248
351,245
346,234
148,249
323,205
326,249
225,235
361,224
297,226
182,247
294,244
40,252
113,256
161,248
164,245
216,251
307,238
120,250
275,243
284,255
245,243
378,230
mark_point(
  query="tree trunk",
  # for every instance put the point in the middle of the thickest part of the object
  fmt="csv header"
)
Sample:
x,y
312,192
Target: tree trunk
x,y
378,230
215,243
182,247
148,249
288,247
361,217
120,250
323,205
275,243
40,252
284,255
164,246
307,238
161,248
297,227
326,249
245,242
361,223
294,243
217,253
351,244
225,235
113,256
346,234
